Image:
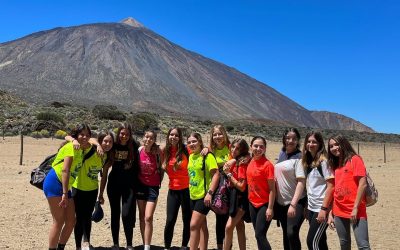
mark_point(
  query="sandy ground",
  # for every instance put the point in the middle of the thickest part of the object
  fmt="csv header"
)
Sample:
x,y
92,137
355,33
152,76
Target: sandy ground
x,y
25,216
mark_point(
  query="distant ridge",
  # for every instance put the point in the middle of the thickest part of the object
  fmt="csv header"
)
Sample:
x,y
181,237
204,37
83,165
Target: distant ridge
x,y
130,66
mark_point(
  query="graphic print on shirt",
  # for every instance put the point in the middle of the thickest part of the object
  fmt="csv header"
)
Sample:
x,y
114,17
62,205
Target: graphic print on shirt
x,y
93,172
75,173
121,155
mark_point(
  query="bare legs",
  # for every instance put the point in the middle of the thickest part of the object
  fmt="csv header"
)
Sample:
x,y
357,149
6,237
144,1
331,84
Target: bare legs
x,y
240,228
146,212
198,224
63,221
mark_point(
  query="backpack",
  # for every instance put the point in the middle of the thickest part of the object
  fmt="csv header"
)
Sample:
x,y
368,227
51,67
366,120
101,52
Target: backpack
x,y
319,168
39,174
221,196
371,192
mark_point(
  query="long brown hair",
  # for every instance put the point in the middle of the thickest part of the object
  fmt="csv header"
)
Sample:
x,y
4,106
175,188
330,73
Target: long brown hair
x,y
182,150
131,142
243,150
346,152
307,159
100,138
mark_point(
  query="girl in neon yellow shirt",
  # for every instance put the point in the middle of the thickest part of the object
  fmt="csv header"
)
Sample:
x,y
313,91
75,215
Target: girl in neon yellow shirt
x,y
57,186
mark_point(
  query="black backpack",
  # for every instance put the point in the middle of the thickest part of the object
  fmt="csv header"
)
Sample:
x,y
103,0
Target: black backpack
x,y
39,174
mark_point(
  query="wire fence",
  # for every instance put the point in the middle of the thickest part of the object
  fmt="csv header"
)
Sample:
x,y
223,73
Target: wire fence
x,y
25,148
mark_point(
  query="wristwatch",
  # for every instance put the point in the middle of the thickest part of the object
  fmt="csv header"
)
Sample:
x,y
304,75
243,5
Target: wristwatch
x,y
229,175
210,192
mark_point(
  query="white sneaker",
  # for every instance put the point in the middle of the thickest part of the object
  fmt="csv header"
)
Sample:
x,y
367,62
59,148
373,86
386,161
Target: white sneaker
x,y
129,248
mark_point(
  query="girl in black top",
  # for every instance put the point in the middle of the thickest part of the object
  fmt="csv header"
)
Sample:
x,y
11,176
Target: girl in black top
x,y
121,185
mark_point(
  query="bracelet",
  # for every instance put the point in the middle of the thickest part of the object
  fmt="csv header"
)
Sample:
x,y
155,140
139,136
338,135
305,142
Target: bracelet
x,y
229,175
324,208
293,206
210,192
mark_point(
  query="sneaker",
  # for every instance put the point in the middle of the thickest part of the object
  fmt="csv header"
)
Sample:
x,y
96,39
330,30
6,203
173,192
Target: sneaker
x,y
115,247
129,248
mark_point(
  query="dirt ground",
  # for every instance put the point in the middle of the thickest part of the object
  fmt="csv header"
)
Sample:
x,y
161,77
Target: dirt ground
x,y
25,216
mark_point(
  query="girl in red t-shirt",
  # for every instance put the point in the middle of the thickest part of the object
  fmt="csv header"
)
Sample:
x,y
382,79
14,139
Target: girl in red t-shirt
x,y
349,200
261,188
235,170
175,164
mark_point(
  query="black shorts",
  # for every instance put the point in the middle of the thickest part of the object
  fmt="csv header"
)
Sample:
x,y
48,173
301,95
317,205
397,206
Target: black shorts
x,y
147,193
198,206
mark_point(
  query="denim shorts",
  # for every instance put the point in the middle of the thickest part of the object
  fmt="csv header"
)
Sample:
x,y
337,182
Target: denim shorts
x,y
147,193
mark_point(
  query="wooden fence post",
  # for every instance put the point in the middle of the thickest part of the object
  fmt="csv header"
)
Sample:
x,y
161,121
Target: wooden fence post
x,y
384,153
22,149
358,148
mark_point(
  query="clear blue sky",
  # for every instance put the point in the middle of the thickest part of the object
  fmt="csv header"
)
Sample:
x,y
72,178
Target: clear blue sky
x,y
339,56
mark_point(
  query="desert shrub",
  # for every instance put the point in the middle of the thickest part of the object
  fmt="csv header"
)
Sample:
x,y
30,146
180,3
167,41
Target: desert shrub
x,y
49,116
207,123
143,121
36,134
229,128
44,133
60,134
115,130
109,112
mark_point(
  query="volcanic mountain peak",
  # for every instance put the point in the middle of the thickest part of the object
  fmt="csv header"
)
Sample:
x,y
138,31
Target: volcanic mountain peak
x,y
130,66
132,22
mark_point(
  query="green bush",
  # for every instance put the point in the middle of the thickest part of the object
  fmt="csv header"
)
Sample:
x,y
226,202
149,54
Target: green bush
x,y
229,128
108,112
143,121
49,116
36,134
60,134
44,133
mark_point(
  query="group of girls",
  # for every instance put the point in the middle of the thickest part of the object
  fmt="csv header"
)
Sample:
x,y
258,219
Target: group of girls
x,y
326,188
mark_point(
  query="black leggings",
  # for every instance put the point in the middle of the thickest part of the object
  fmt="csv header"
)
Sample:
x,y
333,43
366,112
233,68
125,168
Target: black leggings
x,y
175,199
260,225
220,224
316,237
118,190
84,205
291,226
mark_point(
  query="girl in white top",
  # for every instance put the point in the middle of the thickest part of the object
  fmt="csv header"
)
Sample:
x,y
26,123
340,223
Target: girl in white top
x,y
290,194
320,180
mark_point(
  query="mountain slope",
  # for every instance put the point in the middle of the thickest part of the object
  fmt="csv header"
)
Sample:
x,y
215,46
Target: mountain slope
x,y
128,65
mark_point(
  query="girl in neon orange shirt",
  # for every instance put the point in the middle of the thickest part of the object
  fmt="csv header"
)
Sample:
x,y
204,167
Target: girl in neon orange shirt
x,y
261,186
349,201
176,162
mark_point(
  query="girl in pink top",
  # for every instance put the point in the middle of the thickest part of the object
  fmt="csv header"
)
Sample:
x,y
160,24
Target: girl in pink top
x,y
150,177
